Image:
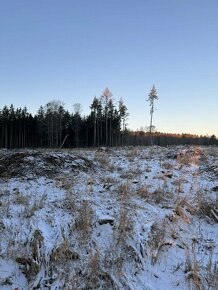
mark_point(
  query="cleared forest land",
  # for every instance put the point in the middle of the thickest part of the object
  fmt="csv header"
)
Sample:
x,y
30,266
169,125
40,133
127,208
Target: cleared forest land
x,y
121,218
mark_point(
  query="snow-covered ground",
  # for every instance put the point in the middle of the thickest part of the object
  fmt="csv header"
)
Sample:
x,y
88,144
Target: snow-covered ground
x,y
127,218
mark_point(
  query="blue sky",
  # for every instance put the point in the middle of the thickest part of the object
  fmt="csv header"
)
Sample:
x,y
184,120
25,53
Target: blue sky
x,y
72,49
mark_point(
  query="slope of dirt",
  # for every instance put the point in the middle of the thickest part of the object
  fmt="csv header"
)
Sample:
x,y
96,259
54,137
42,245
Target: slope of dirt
x,y
15,164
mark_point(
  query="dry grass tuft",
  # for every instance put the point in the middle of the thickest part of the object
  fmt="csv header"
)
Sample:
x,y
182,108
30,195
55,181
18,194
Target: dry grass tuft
x,y
192,268
108,181
161,194
211,274
137,171
30,268
143,192
124,221
89,184
65,183
83,222
207,208
132,153
127,175
21,199
180,209
157,238
36,244
102,159
37,205
152,151
167,165
63,253
124,190
69,203
111,167
178,183
94,268
124,225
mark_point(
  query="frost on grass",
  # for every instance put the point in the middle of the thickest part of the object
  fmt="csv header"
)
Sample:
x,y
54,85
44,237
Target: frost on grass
x,y
127,218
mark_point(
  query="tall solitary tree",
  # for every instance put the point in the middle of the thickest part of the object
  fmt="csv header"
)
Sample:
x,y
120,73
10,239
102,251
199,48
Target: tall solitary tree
x,y
152,96
107,95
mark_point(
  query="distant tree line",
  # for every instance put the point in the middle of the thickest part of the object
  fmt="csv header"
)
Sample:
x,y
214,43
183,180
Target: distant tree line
x,y
136,138
53,127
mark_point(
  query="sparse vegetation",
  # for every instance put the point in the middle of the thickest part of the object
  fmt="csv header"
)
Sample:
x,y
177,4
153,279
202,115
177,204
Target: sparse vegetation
x,y
107,225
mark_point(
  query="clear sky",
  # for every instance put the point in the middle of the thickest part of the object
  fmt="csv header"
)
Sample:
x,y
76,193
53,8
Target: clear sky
x,y
72,49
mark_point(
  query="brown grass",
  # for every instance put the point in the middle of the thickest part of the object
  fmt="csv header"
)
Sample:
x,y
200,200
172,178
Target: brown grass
x,y
94,268
21,199
167,165
69,203
83,222
102,159
37,205
65,183
207,208
192,269
125,225
181,209
132,153
63,253
211,274
143,192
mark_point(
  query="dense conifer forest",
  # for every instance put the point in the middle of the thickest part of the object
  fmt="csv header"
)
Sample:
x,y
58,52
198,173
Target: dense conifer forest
x,y
53,127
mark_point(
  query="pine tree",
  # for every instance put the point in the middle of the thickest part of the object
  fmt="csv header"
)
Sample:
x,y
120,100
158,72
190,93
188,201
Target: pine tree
x,y
12,119
110,116
152,96
94,108
123,116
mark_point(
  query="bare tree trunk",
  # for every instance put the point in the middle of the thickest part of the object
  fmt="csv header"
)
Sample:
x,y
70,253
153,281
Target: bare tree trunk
x,y
52,132
98,131
106,130
94,143
101,131
11,136
60,131
6,135
62,144
151,136
110,133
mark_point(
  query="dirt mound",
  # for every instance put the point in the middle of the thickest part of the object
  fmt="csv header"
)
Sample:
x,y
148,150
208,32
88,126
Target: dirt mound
x,y
35,163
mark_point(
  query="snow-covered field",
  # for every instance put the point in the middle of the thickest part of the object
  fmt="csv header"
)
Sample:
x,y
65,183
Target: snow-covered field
x,y
127,218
